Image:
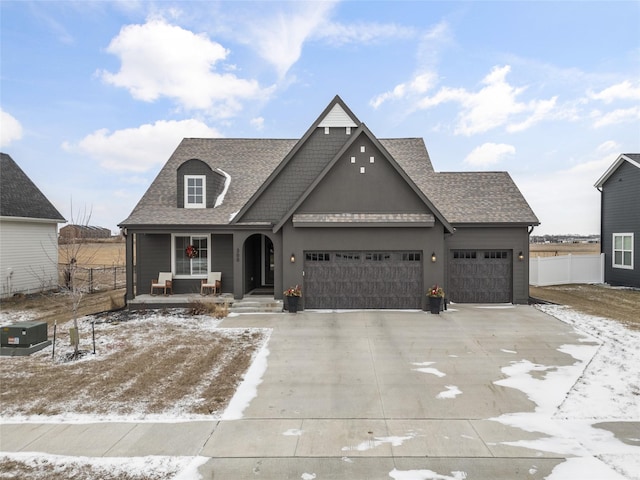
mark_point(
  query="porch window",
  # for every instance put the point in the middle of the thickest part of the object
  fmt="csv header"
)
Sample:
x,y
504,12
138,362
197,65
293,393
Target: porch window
x,y
194,261
623,250
195,195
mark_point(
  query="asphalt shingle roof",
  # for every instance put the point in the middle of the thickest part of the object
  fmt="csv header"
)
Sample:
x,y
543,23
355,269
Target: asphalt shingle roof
x,y
20,197
462,197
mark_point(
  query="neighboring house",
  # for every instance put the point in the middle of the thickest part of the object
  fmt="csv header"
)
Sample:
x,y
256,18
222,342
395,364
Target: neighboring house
x,y
356,221
620,220
28,233
79,232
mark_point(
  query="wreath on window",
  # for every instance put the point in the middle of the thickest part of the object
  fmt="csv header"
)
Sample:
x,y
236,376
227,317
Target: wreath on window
x,y
191,251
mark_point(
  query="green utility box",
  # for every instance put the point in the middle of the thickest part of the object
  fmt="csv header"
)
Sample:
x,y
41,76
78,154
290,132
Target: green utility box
x,y
23,334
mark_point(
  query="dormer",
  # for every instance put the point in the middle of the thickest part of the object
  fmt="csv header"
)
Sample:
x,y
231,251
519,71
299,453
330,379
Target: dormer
x,y
198,186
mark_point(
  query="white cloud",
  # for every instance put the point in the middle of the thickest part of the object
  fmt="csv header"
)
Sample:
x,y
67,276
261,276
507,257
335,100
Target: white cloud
x,y
425,78
489,154
620,91
257,123
608,146
621,115
162,60
10,129
494,105
362,33
139,149
419,84
278,37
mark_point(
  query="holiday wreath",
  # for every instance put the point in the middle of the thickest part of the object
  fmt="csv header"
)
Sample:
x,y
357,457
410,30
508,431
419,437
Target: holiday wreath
x,y
191,251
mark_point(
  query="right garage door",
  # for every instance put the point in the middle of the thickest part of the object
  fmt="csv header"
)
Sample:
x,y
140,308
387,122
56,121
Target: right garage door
x,y
480,276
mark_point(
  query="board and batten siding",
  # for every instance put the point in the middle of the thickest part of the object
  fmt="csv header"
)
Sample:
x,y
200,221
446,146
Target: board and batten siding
x,y
621,214
28,256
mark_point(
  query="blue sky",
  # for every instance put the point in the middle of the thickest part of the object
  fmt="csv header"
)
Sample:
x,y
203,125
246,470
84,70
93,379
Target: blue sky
x,y
95,96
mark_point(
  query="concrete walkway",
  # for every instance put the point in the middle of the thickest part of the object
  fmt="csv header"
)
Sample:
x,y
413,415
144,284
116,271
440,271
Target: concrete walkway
x,y
356,395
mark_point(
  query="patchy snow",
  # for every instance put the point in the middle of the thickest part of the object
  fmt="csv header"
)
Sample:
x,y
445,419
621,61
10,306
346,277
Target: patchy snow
x,y
179,468
308,476
426,369
602,385
425,475
227,182
451,392
508,351
293,432
248,389
377,441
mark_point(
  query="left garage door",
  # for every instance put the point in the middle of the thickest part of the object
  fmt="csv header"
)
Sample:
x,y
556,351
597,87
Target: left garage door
x,y
363,279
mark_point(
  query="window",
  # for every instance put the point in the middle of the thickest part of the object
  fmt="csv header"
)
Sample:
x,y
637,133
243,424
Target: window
x,y
194,261
502,254
195,195
623,250
464,254
377,257
317,257
411,257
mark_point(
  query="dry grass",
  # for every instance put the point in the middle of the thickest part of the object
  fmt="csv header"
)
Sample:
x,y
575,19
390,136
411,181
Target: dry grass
x,y
618,304
144,364
92,254
556,249
45,469
53,307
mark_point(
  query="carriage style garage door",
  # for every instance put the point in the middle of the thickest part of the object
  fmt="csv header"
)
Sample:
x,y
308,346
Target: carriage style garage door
x,y
482,276
363,280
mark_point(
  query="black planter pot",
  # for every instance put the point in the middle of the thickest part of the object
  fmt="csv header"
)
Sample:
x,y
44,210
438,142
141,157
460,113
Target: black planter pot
x,y
435,304
292,304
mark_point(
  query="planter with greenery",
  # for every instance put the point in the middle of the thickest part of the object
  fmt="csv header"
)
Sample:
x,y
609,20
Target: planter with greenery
x,y
293,296
436,297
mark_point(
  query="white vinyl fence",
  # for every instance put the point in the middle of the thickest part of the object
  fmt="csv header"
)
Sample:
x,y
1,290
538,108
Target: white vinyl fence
x,y
566,269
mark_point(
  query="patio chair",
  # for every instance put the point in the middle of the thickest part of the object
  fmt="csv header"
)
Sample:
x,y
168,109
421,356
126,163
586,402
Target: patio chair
x,y
164,282
213,283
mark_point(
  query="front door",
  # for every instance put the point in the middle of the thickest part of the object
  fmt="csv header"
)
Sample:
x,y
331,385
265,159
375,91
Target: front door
x,y
268,262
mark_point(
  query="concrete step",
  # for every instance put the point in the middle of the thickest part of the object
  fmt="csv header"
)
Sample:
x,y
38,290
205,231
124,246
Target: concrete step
x,y
255,304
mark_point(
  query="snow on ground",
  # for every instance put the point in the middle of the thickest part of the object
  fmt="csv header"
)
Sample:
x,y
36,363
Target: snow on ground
x,y
603,385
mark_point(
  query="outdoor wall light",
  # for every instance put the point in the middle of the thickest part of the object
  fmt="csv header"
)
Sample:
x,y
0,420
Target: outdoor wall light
x,y
433,257
293,258
521,256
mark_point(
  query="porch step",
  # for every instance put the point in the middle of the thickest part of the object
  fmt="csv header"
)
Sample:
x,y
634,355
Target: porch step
x,y
256,304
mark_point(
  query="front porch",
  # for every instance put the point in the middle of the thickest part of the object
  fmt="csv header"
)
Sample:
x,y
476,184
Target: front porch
x,y
255,303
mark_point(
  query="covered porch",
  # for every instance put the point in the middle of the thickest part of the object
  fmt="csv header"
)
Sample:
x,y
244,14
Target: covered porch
x,y
252,303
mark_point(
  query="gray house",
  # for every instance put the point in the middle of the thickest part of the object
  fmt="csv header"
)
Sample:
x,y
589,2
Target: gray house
x,y
356,221
620,220
28,233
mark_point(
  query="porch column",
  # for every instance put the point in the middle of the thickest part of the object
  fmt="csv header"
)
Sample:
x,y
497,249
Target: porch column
x,y
129,266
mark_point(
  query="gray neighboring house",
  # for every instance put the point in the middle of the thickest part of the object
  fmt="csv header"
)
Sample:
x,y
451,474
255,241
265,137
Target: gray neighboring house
x,y
356,221
620,220
28,233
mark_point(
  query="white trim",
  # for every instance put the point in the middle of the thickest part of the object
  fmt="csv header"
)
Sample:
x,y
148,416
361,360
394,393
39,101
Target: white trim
x,y
613,251
202,204
30,219
173,253
614,166
227,182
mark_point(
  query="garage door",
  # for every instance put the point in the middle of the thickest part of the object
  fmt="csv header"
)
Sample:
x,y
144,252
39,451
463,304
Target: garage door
x,y
363,280
482,276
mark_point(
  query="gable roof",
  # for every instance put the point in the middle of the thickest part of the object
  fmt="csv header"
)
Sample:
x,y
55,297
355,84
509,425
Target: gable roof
x,y
632,158
20,197
363,130
337,110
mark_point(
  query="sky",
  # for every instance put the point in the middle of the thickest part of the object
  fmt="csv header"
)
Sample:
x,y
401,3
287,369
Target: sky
x,y
96,95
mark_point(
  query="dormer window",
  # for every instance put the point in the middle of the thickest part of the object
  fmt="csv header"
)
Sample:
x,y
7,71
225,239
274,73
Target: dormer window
x,y
195,191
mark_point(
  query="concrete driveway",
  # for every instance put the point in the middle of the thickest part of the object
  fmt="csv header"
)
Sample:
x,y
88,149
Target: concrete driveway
x,y
360,395
382,395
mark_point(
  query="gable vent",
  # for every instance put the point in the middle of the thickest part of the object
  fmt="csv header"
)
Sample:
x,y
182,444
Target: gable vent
x,y
337,117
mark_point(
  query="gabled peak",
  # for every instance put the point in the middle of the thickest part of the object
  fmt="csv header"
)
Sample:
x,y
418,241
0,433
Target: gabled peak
x,y
337,117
